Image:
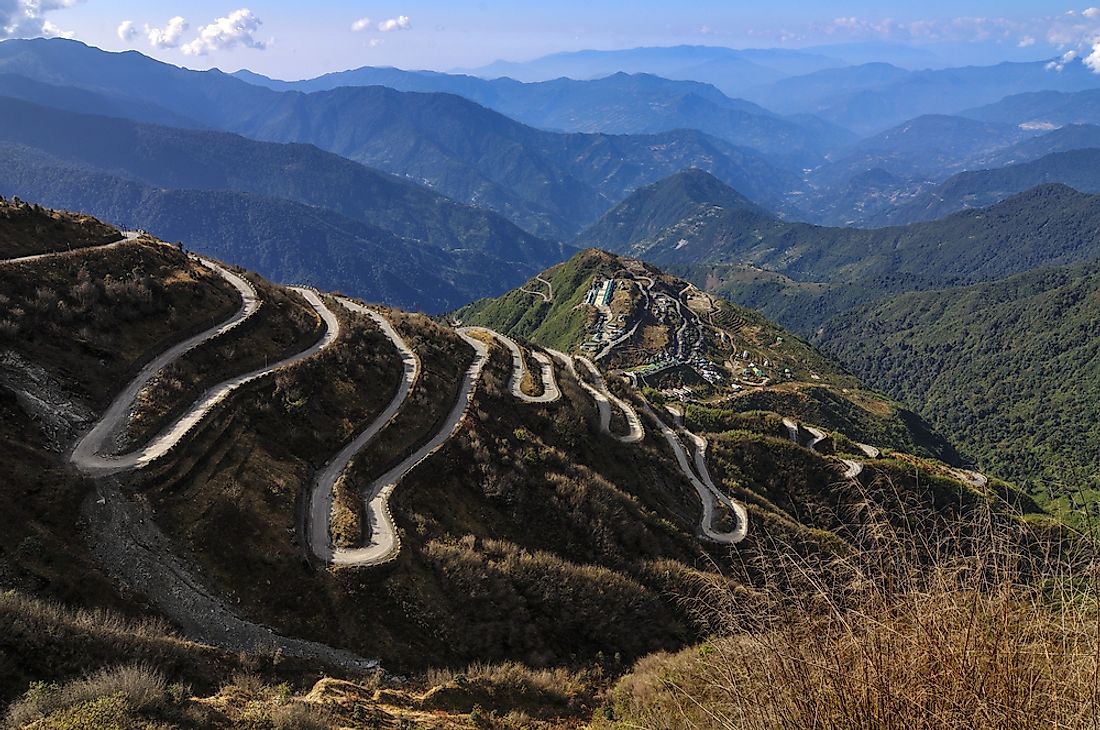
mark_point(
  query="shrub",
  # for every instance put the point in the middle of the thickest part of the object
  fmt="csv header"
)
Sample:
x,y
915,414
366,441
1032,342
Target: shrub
x,y
1000,630
300,716
138,687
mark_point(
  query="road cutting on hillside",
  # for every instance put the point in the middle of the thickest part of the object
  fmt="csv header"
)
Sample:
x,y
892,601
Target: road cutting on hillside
x,y
92,455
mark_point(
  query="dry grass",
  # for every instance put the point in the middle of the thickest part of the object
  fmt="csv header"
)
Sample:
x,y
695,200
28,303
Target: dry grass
x,y
347,514
138,687
491,692
990,627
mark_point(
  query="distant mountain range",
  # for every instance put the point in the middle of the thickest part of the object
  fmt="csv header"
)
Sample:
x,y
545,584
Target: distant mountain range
x,y
551,184
1045,109
872,182
617,104
394,241
1080,169
873,97
802,274
730,70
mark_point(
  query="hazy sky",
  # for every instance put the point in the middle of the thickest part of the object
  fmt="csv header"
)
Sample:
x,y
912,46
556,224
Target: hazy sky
x,y
297,39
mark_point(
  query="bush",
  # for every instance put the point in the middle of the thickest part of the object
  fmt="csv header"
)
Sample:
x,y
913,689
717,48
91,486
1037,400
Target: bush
x,y
1001,632
138,687
299,716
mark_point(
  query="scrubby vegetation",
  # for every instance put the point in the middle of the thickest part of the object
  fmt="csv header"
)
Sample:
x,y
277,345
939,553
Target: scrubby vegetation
x,y
987,625
27,229
443,361
118,307
285,324
530,541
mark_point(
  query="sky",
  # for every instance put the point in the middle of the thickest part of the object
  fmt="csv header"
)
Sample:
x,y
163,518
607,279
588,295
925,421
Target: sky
x,y
299,39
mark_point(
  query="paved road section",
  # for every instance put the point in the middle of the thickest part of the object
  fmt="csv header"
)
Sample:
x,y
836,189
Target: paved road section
x,y
550,390
709,494
127,237
547,296
320,498
383,543
852,468
869,451
88,455
604,401
616,342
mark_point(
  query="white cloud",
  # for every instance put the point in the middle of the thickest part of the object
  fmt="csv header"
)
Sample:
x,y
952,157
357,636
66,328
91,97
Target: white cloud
x,y
167,37
961,29
401,22
236,29
1093,59
360,25
126,31
1076,34
1059,64
375,42
27,18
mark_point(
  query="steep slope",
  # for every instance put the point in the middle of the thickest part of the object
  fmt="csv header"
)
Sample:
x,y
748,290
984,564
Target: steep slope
x,y
551,184
802,274
1008,366
666,334
655,207
74,99
1079,169
473,154
182,159
29,229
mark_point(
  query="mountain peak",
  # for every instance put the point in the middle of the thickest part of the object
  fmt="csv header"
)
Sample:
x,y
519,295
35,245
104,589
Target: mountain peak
x,y
653,208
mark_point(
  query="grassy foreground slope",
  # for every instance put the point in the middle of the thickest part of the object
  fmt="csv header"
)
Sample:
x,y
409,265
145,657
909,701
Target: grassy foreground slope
x,y
1009,368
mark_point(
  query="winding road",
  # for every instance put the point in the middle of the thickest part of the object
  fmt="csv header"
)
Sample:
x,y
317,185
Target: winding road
x,y
852,468
321,496
87,454
127,237
550,390
547,296
383,543
604,400
709,494
91,453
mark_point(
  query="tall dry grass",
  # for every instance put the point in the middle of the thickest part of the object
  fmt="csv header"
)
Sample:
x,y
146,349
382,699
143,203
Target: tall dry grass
x,y
986,623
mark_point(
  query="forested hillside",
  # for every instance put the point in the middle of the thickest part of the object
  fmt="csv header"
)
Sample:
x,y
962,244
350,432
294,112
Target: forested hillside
x,y
1010,368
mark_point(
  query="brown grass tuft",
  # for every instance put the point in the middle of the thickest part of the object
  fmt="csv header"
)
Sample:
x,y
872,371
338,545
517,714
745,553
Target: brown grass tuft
x,y
994,626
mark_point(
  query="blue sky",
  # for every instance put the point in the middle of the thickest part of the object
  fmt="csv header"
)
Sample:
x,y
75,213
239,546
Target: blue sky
x,y
298,39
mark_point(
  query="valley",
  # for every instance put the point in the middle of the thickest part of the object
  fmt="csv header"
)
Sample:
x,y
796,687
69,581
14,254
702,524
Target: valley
x,y
676,386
